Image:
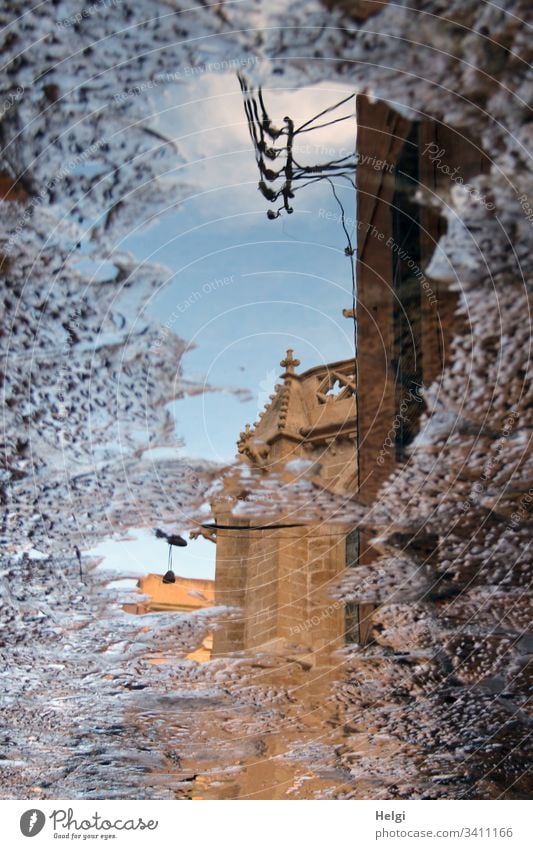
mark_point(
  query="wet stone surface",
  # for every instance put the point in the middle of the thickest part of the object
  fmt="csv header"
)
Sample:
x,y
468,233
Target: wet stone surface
x,y
437,705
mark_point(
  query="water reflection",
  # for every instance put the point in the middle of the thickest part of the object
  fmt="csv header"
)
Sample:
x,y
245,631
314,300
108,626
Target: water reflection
x,y
283,708
185,595
420,680
280,642
273,582
278,574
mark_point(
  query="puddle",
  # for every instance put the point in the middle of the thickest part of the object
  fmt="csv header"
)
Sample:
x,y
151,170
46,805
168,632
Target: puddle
x,y
258,710
290,326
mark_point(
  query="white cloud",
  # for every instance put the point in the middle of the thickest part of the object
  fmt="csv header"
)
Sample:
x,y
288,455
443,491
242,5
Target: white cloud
x,y
207,120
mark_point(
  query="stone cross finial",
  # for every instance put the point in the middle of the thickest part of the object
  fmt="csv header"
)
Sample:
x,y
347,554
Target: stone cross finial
x,y
289,363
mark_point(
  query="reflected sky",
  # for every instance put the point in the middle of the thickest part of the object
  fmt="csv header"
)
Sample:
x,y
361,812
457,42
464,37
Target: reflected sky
x,y
243,288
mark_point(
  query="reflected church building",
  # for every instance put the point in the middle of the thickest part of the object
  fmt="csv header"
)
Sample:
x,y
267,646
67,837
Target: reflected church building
x,y
279,576
353,419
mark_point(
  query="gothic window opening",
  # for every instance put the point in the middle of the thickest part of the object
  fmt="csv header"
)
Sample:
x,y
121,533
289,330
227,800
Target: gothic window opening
x,y
336,386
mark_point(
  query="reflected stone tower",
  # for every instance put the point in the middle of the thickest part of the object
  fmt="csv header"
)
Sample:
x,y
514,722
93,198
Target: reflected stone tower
x,y
279,577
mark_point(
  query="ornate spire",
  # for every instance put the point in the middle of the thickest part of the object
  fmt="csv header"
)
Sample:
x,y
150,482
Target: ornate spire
x,y
289,363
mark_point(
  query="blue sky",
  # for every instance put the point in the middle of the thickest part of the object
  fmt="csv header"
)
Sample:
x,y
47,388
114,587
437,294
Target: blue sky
x,y
243,288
